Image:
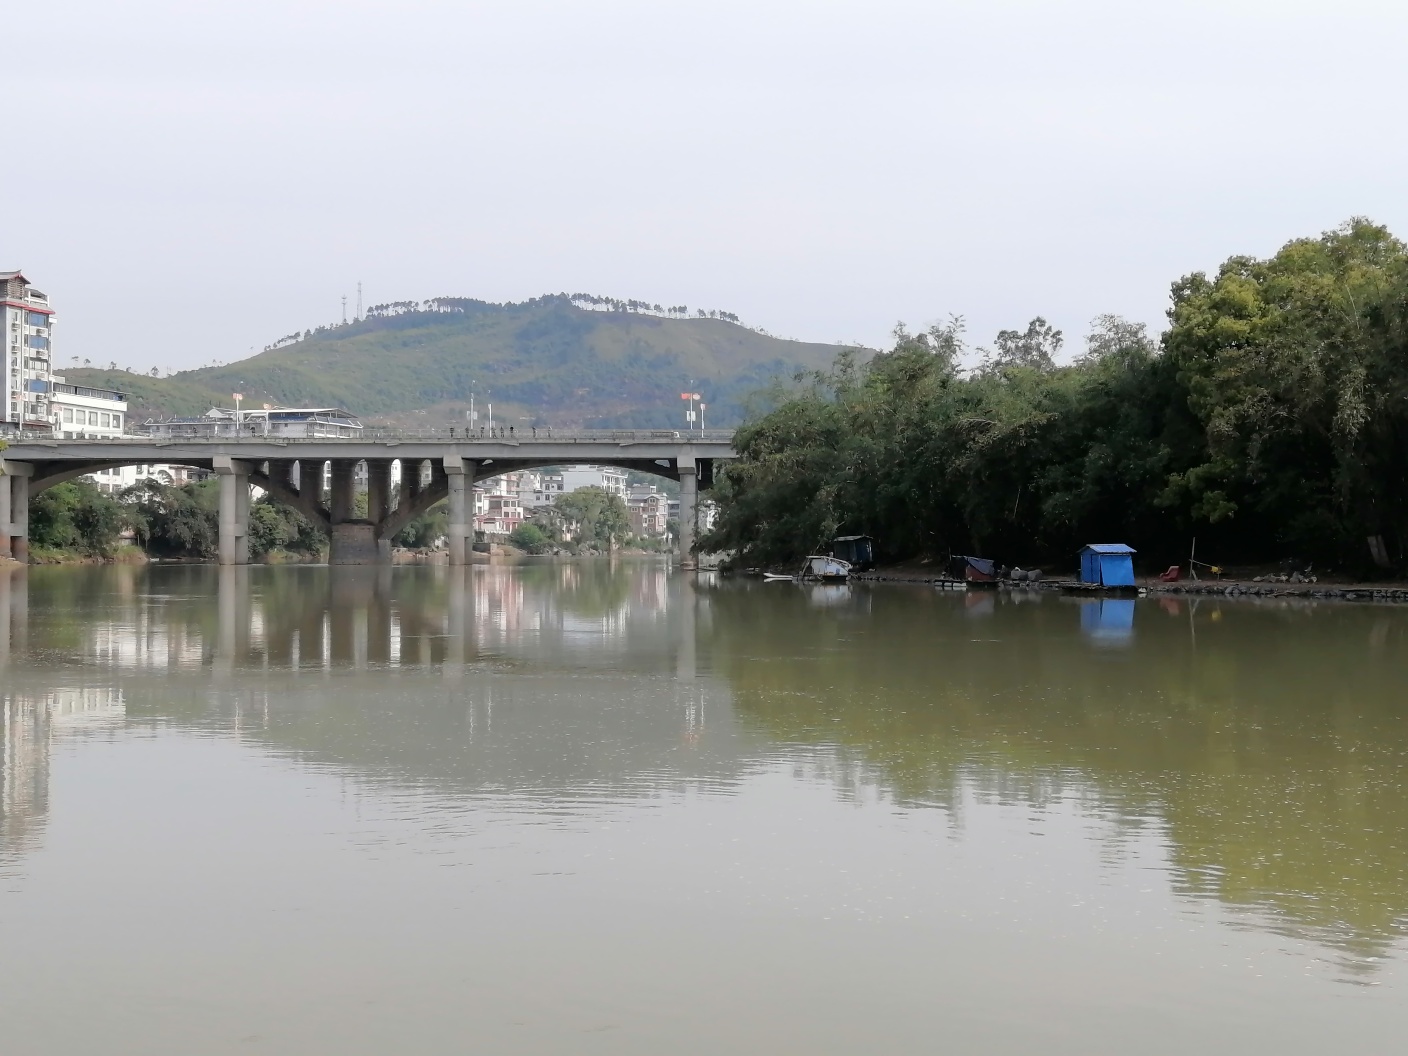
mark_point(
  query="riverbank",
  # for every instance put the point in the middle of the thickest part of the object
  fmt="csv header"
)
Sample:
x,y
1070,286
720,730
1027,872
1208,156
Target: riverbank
x,y
122,555
931,573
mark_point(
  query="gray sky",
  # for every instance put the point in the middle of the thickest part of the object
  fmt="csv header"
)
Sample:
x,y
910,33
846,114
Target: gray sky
x,y
194,180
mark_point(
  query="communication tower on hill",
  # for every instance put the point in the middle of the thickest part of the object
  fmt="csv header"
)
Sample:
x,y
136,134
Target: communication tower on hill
x,y
344,309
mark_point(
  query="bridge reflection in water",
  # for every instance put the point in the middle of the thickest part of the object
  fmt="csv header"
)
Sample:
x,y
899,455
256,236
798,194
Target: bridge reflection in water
x,y
349,617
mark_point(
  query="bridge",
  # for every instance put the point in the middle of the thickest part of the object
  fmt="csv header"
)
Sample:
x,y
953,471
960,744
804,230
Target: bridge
x,y
433,468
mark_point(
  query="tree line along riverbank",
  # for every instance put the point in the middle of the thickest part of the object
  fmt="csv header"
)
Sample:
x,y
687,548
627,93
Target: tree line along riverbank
x,y
1270,421
77,523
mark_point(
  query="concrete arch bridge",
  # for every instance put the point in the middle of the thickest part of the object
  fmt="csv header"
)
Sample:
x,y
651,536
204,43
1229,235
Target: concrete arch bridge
x,y
432,468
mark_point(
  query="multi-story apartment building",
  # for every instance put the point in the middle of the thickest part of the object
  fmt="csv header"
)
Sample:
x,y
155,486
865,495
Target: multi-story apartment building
x,y
497,508
538,489
648,510
28,339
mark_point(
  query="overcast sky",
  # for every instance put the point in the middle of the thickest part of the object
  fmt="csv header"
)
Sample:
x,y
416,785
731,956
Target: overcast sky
x,y
190,181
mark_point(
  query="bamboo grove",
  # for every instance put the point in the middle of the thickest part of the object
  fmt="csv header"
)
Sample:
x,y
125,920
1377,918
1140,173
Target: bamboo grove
x,y
1270,420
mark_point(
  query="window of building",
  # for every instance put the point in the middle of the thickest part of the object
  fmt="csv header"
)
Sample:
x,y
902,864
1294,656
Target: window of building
x,y
36,318
92,417
37,341
117,421
68,415
106,420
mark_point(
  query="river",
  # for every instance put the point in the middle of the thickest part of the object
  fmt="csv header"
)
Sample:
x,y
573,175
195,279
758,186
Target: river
x,y
603,807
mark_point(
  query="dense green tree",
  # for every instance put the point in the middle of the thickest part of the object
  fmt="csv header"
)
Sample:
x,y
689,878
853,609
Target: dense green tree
x,y
1019,460
426,529
176,521
274,526
75,516
1297,368
1271,423
600,517
529,537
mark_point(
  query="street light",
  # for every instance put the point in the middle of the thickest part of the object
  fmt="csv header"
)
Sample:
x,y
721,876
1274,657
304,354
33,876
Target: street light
x,y
690,415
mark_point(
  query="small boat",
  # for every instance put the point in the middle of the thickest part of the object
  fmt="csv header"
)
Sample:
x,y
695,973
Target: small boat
x,y
822,569
778,577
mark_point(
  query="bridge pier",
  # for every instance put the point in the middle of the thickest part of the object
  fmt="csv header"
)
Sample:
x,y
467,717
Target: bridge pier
x,y
357,540
689,504
234,510
460,531
14,509
5,530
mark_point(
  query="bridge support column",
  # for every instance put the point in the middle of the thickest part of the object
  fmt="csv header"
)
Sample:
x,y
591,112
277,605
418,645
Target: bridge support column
x,y
689,505
14,509
234,510
341,501
379,504
5,486
351,541
460,537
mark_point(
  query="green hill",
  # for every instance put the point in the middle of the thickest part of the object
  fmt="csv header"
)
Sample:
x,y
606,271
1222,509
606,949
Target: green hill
x,y
546,360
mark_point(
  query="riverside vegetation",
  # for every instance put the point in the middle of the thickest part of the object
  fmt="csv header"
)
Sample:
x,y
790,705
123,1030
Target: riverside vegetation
x,y
75,521
1270,421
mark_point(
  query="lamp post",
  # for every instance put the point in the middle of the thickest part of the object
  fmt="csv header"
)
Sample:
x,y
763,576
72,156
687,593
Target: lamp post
x,y
690,415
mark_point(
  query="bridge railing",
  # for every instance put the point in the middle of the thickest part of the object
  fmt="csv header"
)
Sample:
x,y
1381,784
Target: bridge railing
x,y
442,435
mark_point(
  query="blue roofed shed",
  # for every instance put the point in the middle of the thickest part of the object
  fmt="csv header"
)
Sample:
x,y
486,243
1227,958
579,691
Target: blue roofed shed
x,y
1107,565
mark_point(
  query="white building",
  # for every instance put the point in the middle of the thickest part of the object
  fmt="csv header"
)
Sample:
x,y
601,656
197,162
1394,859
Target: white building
x,y
287,422
112,481
78,411
538,489
497,507
28,352
608,478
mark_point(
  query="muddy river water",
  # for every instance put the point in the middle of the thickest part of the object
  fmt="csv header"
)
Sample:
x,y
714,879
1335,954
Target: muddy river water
x,y
603,807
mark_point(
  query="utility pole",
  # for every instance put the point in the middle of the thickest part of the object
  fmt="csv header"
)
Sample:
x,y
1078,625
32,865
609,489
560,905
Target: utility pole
x,y
358,316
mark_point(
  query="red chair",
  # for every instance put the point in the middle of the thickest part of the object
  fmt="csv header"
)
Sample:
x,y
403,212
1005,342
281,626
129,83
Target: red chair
x,y
1173,575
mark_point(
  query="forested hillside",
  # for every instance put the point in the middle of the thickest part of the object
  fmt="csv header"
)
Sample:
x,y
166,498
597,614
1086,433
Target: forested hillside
x,y
547,361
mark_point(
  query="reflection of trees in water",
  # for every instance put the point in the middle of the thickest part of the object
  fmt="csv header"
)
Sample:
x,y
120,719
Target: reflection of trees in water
x,y
590,589
1269,743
